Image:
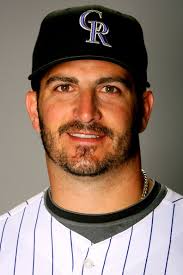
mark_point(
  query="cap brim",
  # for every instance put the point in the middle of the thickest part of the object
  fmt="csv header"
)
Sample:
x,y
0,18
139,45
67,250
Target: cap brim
x,y
46,67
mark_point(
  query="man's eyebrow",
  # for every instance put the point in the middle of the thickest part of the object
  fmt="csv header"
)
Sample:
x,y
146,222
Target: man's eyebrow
x,y
127,82
61,78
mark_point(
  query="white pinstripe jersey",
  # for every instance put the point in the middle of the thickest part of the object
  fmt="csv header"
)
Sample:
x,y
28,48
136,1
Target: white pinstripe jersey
x,y
32,242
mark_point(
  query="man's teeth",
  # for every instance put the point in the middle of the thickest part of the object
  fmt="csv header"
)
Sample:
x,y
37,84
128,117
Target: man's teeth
x,y
84,136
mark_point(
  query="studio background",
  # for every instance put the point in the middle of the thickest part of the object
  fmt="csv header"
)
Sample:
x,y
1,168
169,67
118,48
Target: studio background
x,y
22,165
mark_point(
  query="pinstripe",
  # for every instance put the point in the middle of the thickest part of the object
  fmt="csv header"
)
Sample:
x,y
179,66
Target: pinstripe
x,y
84,261
3,233
52,253
177,200
72,254
149,242
106,255
127,251
173,213
34,241
15,262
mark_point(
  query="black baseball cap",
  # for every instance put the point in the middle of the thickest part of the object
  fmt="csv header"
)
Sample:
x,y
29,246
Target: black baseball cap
x,y
90,32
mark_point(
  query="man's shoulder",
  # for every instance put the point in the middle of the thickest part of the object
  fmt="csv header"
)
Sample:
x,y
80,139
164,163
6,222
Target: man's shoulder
x,y
17,211
173,197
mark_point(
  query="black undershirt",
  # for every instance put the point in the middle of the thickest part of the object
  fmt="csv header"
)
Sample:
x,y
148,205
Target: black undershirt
x,y
97,227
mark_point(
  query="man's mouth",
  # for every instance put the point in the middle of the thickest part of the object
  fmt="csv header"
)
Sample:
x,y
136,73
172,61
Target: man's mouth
x,y
86,137
79,135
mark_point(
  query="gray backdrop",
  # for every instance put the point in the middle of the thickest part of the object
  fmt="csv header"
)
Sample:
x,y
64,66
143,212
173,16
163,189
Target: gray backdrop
x,y
22,166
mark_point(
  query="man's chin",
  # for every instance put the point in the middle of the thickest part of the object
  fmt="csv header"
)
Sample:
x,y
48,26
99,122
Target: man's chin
x,y
85,169
84,173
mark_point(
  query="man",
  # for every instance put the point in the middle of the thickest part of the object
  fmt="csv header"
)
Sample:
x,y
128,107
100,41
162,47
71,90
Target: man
x,y
89,101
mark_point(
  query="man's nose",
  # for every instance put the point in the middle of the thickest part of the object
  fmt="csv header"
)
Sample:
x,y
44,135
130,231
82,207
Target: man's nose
x,y
87,107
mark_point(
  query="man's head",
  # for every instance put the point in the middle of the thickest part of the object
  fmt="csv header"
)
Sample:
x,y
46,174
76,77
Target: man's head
x,y
87,70
90,32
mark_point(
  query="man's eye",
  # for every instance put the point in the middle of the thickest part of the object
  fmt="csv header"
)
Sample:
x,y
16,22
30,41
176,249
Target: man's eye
x,y
110,89
64,88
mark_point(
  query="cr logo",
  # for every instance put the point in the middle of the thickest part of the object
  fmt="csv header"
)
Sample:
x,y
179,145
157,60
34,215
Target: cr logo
x,y
97,29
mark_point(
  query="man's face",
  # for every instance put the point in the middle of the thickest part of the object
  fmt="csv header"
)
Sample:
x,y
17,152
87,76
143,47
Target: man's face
x,y
88,116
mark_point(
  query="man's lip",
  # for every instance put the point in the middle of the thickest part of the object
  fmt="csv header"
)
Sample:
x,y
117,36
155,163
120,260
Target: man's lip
x,y
88,137
86,134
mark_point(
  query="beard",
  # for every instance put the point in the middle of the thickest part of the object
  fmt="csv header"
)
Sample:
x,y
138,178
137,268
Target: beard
x,y
84,162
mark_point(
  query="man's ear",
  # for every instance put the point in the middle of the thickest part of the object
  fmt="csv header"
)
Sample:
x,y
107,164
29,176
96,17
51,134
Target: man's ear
x,y
32,109
148,100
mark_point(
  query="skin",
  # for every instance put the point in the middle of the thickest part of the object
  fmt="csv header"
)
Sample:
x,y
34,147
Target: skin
x,y
90,91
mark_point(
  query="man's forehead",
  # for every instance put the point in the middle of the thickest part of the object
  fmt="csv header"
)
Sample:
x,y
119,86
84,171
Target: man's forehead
x,y
91,65
102,71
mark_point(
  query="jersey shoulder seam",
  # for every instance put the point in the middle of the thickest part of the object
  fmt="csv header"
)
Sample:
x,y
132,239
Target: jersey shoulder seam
x,y
19,208
173,197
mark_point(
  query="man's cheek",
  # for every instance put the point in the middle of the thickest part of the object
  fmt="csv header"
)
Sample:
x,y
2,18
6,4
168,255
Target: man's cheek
x,y
51,114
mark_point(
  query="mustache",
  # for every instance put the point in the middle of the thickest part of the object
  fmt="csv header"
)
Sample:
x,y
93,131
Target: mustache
x,y
77,125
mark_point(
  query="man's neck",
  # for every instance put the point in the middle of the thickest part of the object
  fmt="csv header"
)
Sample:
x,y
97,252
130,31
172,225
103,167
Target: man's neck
x,y
110,192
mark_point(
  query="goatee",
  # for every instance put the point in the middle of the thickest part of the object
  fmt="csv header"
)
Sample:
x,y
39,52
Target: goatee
x,y
84,162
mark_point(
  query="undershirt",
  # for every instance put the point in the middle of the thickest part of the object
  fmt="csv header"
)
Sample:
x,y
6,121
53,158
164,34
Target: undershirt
x,y
98,227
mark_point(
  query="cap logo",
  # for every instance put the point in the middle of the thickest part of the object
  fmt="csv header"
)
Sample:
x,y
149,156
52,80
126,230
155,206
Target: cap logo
x,y
97,29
